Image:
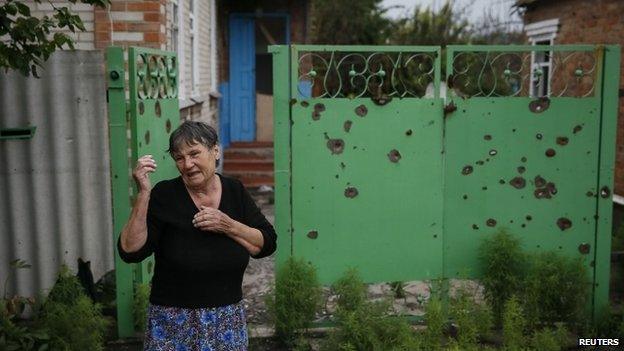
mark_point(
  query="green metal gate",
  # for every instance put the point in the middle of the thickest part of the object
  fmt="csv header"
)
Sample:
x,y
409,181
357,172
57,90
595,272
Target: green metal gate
x,y
375,170
140,123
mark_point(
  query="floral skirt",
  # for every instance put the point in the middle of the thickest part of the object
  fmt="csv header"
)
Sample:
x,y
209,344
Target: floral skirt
x,y
196,329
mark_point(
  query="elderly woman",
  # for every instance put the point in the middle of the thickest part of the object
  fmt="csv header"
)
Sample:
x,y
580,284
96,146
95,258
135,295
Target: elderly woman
x,y
202,227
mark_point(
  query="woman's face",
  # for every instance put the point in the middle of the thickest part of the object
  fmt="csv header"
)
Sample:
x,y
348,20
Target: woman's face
x,y
196,163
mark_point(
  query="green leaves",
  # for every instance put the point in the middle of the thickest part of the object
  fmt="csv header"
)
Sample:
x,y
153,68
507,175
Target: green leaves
x,y
30,43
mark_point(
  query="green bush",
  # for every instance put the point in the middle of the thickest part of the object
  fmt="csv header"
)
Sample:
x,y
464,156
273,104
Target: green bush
x,y
556,290
295,300
435,318
502,262
514,325
364,325
71,319
471,318
549,339
140,305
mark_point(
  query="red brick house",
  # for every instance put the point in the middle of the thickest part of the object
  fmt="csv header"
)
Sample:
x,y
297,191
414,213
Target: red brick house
x,y
553,22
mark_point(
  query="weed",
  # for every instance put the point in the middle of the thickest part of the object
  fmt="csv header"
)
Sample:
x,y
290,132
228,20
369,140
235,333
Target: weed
x,y
471,318
549,339
398,288
295,300
502,262
140,305
514,325
435,318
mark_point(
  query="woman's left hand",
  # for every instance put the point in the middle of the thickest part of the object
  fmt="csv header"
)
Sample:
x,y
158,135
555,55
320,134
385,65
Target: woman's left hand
x,y
211,219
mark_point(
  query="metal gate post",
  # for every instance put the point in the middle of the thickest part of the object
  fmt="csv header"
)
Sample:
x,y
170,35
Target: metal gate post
x,y
120,179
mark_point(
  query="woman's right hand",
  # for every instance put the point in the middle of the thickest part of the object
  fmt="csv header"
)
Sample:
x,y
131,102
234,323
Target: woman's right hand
x,y
145,165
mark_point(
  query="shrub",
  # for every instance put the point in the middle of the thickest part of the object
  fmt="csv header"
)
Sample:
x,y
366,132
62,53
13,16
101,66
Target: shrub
x,y
295,300
514,325
549,339
435,318
471,318
140,305
364,325
502,262
72,320
556,289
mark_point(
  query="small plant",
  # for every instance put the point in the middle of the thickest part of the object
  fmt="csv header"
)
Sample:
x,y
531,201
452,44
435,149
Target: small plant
x,y
364,325
502,262
471,318
398,289
296,298
140,305
72,320
435,318
549,339
514,325
556,289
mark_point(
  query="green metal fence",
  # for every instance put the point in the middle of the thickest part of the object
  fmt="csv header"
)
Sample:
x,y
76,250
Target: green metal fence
x,y
140,123
377,169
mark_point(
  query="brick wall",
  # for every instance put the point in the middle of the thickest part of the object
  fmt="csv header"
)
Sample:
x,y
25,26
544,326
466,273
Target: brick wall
x,y
128,22
589,22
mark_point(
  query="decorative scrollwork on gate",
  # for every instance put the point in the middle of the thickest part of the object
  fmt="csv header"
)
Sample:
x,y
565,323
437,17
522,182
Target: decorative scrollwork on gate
x,y
156,76
333,74
532,73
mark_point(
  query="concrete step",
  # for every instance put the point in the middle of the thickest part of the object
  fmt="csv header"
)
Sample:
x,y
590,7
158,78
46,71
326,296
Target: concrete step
x,y
253,180
248,165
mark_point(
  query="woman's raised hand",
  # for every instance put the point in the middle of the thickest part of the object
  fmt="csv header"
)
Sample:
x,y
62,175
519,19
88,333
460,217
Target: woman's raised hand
x,y
145,165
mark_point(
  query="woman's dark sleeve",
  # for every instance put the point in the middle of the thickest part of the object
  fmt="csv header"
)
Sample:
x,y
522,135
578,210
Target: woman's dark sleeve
x,y
154,230
254,218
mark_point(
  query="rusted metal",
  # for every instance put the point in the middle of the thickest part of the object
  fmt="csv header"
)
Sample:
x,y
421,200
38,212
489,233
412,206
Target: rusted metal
x,y
347,125
521,169
518,182
564,223
550,152
336,146
381,100
449,108
539,181
552,188
540,105
361,110
542,193
584,248
313,234
577,129
319,107
563,141
305,104
351,192
467,170
316,115
394,155
487,137
491,222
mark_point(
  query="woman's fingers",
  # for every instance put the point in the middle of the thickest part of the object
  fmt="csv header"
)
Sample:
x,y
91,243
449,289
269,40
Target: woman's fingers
x,y
145,165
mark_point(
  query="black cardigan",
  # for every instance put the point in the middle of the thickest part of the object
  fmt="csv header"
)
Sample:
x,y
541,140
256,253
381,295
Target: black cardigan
x,y
194,268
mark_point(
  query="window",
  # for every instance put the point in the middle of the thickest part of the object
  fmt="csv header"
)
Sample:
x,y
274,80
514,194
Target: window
x,y
193,34
175,26
541,33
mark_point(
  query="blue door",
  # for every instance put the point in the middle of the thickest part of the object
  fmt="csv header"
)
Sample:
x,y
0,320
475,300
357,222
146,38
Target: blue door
x,y
242,126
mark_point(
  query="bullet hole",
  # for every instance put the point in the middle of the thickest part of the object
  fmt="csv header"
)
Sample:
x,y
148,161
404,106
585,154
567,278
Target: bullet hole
x,y
563,141
605,192
487,159
577,129
487,137
157,109
394,156
141,108
511,221
335,145
523,159
513,130
168,126
465,197
596,217
539,105
542,193
491,222
538,136
319,107
484,188
435,236
518,182
293,102
342,165
304,104
550,153
316,115
501,181
147,137
552,189
467,170
475,227
449,108
523,225
584,248
313,234
337,176
408,132
564,223
539,181
480,163
351,192
521,169
347,126
493,152
528,217
361,110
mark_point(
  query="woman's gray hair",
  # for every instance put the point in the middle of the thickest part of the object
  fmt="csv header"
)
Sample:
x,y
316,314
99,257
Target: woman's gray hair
x,y
191,133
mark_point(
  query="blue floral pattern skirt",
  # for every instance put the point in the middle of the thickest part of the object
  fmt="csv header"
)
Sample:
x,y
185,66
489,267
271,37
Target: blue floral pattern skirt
x,y
196,329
